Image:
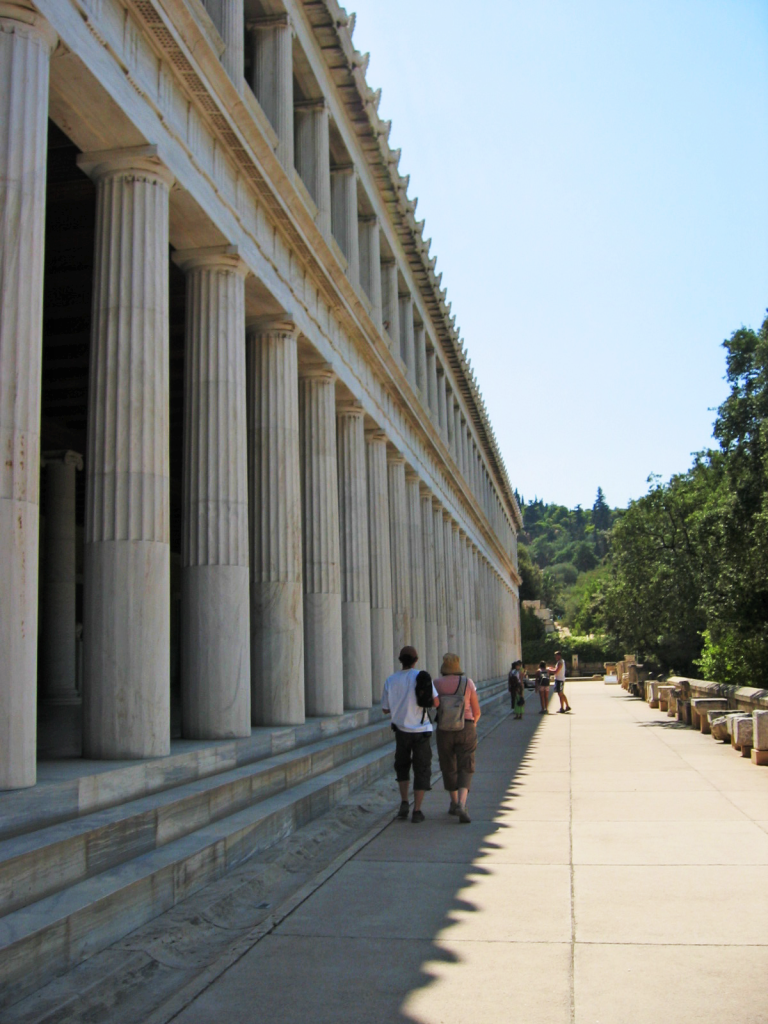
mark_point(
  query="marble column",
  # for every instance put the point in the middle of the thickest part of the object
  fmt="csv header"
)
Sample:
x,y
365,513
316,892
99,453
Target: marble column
x,y
432,401
313,158
420,346
431,653
476,632
451,612
469,613
382,640
323,662
442,609
457,450
400,555
369,248
215,598
407,344
355,562
416,565
58,588
229,19
126,615
442,404
344,218
272,79
26,43
274,501
390,305
458,576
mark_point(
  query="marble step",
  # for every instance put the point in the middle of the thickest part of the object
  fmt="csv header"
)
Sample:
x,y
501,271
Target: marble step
x,y
37,864
71,788
53,935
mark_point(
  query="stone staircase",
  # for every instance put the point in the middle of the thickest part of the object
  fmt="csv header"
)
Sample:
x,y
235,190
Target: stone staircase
x,y
95,850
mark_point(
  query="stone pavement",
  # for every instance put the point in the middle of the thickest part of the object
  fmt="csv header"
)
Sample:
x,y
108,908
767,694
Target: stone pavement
x,y
614,871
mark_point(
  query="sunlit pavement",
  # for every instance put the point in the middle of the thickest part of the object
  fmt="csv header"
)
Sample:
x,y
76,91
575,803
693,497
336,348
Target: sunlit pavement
x,y
614,872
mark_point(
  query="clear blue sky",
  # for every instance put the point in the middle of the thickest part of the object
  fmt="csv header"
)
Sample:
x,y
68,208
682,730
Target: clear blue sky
x,y
594,176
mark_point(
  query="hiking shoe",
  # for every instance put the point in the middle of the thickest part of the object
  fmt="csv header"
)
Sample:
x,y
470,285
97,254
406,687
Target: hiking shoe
x,y
453,809
404,808
464,818
416,817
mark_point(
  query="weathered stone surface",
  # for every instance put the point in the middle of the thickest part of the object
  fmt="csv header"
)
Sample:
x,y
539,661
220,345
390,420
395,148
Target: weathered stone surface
x,y
760,729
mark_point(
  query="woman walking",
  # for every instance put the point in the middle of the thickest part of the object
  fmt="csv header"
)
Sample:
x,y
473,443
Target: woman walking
x,y
457,718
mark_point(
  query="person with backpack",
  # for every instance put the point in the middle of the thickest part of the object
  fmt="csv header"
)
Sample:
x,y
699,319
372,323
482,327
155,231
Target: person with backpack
x,y
457,716
542,687
517,689
408,695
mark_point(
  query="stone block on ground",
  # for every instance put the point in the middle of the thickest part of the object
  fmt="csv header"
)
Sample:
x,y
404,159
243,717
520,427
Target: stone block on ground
x,y
699,707
742,734
760,730
719,729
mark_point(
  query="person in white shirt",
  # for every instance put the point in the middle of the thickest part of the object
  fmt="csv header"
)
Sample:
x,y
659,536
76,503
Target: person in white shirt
x,y
559,671
413,732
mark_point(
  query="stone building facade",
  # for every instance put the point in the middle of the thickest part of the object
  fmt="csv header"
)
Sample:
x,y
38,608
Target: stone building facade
x,y
245,457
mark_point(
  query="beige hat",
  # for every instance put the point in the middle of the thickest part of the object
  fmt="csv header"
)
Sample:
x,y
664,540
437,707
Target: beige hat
x,y
451,665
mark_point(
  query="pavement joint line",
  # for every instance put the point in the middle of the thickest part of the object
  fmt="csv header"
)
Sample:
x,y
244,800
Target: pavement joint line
x,y
572,875
182,998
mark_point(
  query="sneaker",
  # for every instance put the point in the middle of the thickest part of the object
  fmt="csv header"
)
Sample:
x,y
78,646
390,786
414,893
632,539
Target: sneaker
x,y
416,817
561,711
464,818
453,809
404,808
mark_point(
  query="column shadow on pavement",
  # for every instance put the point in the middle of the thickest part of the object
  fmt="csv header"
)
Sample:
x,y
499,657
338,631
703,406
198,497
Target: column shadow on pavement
x,y
374,936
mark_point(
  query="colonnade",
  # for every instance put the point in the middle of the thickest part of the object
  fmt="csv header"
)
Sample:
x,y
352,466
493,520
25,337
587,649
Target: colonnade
x,y
312,550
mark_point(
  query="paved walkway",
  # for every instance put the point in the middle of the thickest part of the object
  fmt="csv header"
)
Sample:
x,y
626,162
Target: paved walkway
x,y
615,872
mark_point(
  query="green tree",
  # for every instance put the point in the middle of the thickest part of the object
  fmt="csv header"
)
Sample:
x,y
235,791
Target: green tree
x,y
601,513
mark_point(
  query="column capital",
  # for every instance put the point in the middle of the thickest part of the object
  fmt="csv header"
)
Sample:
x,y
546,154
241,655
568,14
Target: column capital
x,y
67,458
142,161
424,490
412,474
21,16
270,324
309,106
375,435
369,218
350,407
317,371
395,457
436,503
215,257
272,21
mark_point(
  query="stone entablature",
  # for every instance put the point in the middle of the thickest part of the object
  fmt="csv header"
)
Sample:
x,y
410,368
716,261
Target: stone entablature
x,y
287,214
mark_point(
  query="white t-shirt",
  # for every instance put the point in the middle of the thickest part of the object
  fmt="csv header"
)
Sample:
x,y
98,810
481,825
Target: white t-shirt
x,y
399,698
560,671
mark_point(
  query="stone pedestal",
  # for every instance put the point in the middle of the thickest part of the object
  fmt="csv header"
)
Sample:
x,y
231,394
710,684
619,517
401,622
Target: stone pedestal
x,y
382,639
313,157
369,247
26,42
272,79
344,218
274,499
58,588
355,563
126,617
323,666
398,542
416,567
451,616
440,570
430,658
215,603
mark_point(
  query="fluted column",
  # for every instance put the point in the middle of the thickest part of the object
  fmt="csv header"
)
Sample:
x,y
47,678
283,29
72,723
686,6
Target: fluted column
x,y
215,601
390,304
431,652
432,387
407,343
399,551
458,575
416,565
355,562
313,158
469,614
272,79
440,595
369,248
323,665
58,587
344,217
231,25
420,346
274,500
451,613
126,616
442,404
26,42
382,641
476,632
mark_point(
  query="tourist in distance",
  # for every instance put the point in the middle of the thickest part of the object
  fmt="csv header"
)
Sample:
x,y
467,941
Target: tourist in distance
x,y
558,669
516,684
542,687
457,717
412,728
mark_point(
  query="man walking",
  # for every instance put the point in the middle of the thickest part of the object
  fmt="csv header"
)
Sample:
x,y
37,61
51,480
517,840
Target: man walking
x,y
413,732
